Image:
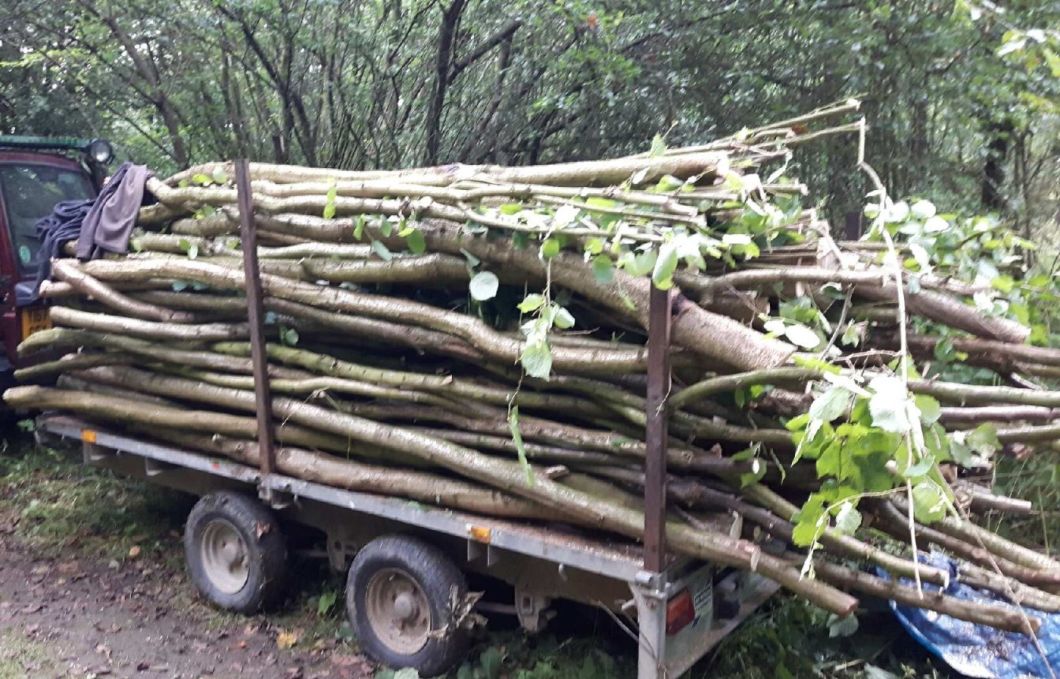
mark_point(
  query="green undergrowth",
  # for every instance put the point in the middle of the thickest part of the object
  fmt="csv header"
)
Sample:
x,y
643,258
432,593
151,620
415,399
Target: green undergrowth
x,y
21,657
513,655
58,505
789,638
1035,478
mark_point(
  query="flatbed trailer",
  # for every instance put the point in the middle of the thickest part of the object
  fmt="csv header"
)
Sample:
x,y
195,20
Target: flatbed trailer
x,y
677,614
406,594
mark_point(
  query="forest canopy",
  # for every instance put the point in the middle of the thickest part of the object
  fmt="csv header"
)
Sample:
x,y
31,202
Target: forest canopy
x,y
961,95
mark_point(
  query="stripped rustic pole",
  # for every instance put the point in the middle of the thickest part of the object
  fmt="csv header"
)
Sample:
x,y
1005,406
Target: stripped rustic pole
x,y
256,317
660,305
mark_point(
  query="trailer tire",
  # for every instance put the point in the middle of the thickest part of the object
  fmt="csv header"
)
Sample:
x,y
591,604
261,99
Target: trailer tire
x,y
235,551
405,599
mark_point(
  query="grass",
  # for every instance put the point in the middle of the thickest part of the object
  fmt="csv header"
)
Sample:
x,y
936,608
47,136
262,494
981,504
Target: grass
x,y
21,657
1035,478
63,506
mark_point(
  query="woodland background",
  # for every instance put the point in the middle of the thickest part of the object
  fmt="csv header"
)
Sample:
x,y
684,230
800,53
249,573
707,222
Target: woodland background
x,y
962,96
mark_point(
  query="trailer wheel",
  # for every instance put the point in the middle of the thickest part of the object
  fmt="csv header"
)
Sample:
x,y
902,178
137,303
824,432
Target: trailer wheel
x,y
404,599
235,551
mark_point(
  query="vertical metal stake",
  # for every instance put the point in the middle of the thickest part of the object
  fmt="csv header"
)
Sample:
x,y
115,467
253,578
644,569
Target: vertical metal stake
x,y
659,321
256,317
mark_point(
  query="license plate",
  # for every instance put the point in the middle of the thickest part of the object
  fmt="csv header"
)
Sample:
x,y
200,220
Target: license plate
x,y
35,319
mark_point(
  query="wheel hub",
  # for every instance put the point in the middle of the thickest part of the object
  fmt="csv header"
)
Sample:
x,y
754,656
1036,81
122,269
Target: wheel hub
x,y
398,611
224,556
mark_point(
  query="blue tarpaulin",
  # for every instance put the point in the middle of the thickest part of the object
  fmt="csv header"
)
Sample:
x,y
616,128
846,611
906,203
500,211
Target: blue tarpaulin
x,y
978,650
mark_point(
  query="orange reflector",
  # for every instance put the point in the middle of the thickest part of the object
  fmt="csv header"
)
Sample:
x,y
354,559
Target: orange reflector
x,y
480,533
680,611
88,435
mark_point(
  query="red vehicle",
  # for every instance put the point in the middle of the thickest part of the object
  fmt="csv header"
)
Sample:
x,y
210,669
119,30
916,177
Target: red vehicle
x,y
35,174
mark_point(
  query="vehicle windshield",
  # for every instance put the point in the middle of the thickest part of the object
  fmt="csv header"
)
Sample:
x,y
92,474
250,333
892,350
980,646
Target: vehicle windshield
x,y
29,192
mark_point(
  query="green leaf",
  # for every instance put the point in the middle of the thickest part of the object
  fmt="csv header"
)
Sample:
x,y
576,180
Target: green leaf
x,y
550,248
923,209
386,227
358,227
219,176
563,318
960,452
601,203
511,208
564,216
802,336
736,239
758,469
381,250
329,202
193,251
889,404
983,439
536,360
831,404
805,533
472,260
658,146
1053,60
326,602
520,449
929,408
814,363
663,273
1003,283
830,460
483,286
853,334
201,179
603,269
642,263
798,422
842,627
288,336
531,302
929,503
416,242
919,469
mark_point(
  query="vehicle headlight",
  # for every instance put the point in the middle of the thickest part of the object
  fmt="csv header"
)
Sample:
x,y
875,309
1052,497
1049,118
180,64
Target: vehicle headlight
x,y
100,151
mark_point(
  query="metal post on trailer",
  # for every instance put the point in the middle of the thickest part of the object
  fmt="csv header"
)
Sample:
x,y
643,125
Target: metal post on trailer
x,y
650,593
659,320
256,318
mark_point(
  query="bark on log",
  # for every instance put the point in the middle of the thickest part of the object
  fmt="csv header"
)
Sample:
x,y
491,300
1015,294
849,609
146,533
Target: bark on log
x,y
506,476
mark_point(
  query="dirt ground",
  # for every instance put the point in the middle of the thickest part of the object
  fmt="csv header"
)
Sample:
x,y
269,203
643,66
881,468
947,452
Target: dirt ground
x,y
76,610
82,618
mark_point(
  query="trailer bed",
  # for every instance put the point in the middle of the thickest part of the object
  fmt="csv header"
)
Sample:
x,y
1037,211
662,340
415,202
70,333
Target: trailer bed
x,y
545,561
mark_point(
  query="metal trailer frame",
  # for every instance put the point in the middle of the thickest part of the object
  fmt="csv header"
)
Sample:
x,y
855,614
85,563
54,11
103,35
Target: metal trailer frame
x,y
542,564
